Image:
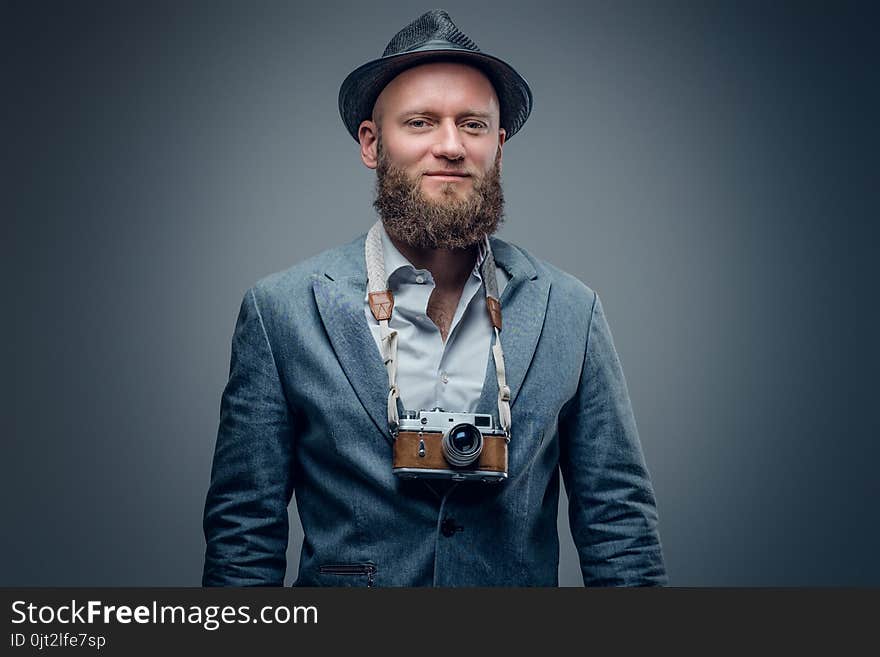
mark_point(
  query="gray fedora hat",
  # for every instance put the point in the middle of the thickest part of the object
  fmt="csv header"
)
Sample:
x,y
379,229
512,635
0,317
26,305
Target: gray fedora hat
x,y
432,36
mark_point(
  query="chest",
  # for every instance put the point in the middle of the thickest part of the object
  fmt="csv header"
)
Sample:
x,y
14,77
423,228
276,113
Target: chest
x,y
441,309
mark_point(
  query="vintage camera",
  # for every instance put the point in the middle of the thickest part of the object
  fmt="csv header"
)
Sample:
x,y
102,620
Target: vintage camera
x,y
443,445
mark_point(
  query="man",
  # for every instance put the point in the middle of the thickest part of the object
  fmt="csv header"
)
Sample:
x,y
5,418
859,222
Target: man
x,y
328,355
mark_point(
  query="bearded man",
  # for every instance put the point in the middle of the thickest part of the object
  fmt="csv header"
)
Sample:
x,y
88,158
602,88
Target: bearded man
x,y
423,435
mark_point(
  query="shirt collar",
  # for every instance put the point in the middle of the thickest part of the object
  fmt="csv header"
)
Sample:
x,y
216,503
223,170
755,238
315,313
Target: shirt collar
x,y
395,260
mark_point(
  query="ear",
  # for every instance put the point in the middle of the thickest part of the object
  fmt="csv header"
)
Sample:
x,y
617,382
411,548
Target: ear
x,y
502,136
368,137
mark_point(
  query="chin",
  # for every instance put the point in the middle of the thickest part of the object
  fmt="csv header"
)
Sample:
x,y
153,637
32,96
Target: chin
x,y
445,192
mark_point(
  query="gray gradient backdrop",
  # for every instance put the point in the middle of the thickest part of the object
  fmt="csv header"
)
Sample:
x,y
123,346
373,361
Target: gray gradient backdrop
x,y
709,170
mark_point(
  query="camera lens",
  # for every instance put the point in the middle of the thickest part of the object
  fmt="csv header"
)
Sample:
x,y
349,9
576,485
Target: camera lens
x,y
462,444
463,438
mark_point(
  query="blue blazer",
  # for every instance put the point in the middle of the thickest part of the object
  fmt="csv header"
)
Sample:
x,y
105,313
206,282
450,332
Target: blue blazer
x,y
304,412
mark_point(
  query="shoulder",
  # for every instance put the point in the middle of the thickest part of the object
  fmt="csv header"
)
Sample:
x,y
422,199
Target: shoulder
x,y
296,281
565,288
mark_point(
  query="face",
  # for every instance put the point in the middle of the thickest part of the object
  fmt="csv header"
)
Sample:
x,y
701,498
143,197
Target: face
x,y
436,143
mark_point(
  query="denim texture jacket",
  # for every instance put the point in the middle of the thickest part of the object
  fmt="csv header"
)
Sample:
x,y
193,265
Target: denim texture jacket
x,y
304,414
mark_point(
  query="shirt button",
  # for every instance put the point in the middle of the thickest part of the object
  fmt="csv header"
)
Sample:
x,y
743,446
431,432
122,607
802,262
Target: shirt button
x,y
449,528
420,279
444,377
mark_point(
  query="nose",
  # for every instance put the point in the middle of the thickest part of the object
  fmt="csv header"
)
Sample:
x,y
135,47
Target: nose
x,y
448,144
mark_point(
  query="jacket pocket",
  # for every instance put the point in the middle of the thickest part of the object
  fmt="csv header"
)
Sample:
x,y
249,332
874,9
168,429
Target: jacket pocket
x,y
367,570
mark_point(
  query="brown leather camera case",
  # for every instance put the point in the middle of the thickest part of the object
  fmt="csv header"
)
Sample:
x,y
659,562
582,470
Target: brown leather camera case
x,y
493,458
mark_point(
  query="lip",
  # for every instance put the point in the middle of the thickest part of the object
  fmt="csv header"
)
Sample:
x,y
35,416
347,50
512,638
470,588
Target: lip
x,y
447,177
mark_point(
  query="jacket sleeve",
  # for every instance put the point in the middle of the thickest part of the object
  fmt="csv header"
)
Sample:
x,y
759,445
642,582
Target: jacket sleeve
x,y
245,520
612,511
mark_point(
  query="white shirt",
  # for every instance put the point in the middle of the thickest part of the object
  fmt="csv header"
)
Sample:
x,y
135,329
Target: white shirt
x,y
430,373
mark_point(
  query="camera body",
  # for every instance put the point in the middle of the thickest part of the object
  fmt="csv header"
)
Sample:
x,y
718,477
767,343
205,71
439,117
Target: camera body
x,y
439,444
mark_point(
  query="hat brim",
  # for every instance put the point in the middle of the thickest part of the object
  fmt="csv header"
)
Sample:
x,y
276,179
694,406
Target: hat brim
x,y
362,87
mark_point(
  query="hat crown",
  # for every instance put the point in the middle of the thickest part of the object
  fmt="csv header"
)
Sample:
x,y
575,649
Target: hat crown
x,y
434,25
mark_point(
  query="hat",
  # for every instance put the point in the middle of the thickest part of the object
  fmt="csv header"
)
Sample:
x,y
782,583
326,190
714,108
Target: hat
x,y
432,36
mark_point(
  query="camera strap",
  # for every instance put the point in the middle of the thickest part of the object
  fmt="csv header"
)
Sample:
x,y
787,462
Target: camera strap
x,y
382,304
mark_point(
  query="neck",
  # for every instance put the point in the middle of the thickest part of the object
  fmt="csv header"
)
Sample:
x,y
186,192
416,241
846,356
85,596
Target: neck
x,y
450,268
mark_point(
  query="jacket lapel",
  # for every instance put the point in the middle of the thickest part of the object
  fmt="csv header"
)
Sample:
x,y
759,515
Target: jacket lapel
x,y
523,306
339,295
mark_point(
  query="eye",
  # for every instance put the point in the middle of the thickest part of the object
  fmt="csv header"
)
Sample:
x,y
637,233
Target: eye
x,y
475,125
417,123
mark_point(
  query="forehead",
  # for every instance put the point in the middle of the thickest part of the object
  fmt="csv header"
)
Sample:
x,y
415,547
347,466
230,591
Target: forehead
x,y
442,85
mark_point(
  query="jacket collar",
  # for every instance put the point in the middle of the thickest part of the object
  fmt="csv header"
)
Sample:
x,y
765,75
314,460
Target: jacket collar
x,y
339,294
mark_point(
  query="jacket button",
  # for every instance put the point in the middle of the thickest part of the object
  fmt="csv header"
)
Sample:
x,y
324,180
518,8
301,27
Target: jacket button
x,y
448,527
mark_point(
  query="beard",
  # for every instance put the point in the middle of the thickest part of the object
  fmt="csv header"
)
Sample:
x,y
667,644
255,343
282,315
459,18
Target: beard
x,y
449,222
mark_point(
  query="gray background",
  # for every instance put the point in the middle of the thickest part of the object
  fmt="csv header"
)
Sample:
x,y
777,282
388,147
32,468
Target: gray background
x,y
709,170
